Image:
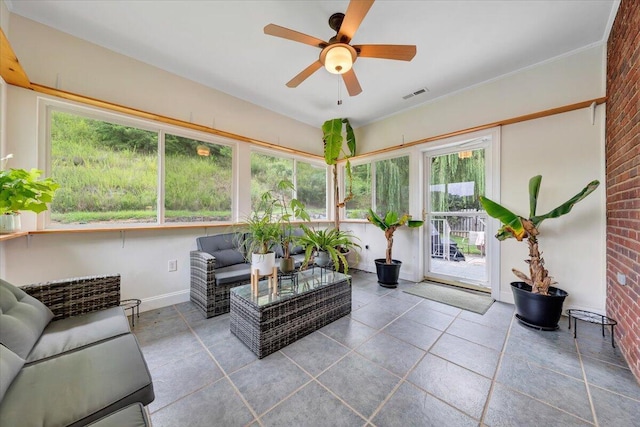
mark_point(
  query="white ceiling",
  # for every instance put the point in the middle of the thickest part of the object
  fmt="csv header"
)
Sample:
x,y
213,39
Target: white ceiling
x,y
221,44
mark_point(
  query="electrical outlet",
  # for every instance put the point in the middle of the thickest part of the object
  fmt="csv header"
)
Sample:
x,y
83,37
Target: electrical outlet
x,y
173,265
622,279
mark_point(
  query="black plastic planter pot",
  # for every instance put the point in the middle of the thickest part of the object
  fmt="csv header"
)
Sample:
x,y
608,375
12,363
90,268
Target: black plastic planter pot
x,y
535,310
388,273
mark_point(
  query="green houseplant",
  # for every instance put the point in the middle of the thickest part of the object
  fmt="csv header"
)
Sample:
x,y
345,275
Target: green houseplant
x,y
333,139
388,269
327,246
537,302
288,210
22,190
261,235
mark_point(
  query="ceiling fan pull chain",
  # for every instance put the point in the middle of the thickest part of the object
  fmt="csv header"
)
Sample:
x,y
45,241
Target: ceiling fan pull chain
x,y
339,89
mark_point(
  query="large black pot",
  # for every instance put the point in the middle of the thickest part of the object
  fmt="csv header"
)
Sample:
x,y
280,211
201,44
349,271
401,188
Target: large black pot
x,y
535,310
388,273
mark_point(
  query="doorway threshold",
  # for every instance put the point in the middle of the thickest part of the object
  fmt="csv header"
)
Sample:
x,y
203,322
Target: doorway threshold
x,y
459,284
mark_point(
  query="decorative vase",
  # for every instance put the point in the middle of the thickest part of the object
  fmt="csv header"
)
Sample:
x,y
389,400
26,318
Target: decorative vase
x,y
388,274
322,259
10,223
287,265
264,263
535,310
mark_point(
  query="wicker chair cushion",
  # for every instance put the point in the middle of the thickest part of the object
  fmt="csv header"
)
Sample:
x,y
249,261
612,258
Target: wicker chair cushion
x,y
79,387
222,246
233,273
10,365
131,416
227,257
22,319
76,332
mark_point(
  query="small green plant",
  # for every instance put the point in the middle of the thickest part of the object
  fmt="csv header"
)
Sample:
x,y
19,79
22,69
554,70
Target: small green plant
x,y
21,190
288,211
332,241
389,223
520,228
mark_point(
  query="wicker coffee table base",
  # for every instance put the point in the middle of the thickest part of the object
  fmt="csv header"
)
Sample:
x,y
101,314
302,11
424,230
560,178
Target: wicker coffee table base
x,y
268,328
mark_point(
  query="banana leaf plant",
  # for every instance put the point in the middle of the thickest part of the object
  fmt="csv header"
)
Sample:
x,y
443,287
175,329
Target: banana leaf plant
x,y
389,223
333,148
520,228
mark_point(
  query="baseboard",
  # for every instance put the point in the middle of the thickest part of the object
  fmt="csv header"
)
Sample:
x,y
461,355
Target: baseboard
x,y
164,300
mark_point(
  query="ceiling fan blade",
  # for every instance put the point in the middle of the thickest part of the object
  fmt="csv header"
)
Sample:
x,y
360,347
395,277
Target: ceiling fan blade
x,y
386,51
304,74
356,11
351,81
286,33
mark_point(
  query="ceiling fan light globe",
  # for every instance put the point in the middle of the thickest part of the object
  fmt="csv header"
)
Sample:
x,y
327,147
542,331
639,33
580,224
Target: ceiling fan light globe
x,y
338,60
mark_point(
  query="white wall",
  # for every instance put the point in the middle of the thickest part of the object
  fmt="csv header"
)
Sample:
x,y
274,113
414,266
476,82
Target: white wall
x,y
566,149
59,60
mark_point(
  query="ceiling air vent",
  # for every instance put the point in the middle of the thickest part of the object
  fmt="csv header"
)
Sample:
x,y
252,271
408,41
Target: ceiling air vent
x,y
417,92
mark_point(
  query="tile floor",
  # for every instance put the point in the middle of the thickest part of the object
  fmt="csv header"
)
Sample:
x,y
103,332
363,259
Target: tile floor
x,y
397,360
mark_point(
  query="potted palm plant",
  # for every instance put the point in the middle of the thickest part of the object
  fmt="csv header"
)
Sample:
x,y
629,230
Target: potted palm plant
x,y
327,246
22,190
538,304
388,269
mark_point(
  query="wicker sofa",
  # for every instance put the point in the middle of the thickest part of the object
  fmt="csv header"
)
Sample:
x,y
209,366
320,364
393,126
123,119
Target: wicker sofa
x,y
218,265
68,358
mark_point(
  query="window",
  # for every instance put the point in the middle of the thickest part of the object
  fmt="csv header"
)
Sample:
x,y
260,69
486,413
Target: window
x,y
390,192
311,185
309,179
109,174
198,180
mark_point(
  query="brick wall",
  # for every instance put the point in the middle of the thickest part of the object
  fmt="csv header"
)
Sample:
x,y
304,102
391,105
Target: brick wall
x,y
623,179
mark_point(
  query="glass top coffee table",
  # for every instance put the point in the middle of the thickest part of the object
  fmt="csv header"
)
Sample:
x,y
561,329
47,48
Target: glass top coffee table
x,y
270,321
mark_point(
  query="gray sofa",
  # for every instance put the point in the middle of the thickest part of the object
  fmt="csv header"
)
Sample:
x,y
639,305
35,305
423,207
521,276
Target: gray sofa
x,y
218,265
69,359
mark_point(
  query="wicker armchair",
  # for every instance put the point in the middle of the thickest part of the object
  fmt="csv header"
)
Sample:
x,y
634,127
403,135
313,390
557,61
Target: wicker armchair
x,y
210,295
76,296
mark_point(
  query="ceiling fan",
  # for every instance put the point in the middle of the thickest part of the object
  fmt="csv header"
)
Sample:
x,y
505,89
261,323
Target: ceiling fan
x,y
337,55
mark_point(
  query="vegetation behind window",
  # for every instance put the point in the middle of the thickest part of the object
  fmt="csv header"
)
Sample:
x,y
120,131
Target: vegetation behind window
x,y
198,180
392,185
311,185
266,172
109,174
359,205
457,181
391,177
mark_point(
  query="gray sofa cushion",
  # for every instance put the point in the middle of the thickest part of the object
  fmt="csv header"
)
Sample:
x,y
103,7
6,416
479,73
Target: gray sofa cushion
x,y
10,365
76,332
22,319
131,416
79,387
222,246
233,273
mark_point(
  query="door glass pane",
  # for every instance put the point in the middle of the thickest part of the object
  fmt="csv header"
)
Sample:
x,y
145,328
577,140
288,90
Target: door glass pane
x,y
456,219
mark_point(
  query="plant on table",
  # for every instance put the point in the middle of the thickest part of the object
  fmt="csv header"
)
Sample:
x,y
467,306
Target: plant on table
x,y
288,211
332,242
22,190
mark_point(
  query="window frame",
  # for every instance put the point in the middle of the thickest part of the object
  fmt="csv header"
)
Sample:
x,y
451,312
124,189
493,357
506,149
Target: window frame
x,y
372,160
45,108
